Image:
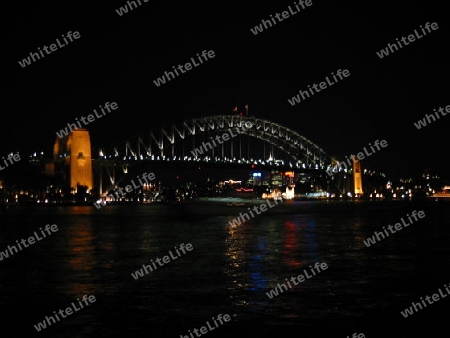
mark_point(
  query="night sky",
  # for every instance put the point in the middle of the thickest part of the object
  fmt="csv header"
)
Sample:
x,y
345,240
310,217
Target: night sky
x,y
117,58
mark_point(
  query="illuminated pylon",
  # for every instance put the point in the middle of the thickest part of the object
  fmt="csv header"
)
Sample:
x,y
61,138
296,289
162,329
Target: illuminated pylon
x,y
76,150
79,145
357,179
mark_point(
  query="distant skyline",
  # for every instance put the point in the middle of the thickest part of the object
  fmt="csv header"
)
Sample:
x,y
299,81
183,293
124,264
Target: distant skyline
x,y
117,58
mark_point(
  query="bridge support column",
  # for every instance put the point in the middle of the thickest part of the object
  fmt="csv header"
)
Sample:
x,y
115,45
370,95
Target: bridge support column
x,y
357,180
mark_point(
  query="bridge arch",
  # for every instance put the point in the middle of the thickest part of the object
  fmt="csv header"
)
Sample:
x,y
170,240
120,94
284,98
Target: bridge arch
x,y
196,133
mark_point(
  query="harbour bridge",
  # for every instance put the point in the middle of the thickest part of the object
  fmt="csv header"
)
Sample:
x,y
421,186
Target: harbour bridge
x,y
224,139
216,141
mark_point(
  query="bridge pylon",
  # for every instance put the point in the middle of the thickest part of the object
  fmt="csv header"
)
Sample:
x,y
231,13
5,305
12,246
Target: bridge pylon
x,y
357,179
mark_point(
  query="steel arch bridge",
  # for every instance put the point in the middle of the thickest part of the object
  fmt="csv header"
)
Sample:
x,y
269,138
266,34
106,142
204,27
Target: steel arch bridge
x,y
276,144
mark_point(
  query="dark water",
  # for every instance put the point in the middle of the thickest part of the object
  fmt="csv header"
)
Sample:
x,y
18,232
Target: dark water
x,y
229,270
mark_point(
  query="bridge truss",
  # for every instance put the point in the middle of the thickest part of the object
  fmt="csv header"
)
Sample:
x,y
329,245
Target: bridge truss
x,y
250,140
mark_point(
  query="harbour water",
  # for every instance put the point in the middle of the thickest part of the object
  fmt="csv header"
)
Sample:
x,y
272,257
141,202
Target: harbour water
x,y
230,270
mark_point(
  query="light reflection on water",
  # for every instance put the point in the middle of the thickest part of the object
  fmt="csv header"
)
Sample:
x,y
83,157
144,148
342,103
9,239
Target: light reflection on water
x,y
258,260
80,261
229,271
